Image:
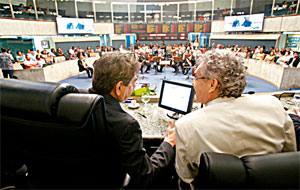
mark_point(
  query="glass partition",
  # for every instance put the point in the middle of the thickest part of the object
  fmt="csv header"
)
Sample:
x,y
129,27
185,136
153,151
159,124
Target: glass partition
x,y
260,6
203,10
23,9
46,10
153,13
137,13
186,11
103,12
241,7
222,9
170,12
85,9
282,7
120,12
5,10
66,8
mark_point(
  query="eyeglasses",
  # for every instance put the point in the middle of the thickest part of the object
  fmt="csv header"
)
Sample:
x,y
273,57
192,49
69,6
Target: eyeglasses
x,y
199,78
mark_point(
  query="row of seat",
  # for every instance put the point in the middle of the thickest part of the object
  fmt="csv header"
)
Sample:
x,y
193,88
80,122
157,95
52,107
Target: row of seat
x,y
52,136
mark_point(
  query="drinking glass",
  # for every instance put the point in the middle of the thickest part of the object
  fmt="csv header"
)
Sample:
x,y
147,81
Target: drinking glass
x,y
296,100
152,88
145,98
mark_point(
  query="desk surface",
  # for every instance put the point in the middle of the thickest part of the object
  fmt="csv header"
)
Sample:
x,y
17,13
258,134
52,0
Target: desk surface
x,y
152,119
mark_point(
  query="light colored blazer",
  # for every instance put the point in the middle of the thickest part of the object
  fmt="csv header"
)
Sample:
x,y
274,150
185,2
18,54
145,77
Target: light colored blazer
x,y
248,125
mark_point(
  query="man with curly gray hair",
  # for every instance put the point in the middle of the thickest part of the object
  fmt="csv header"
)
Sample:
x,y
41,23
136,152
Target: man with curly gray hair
x,y
229,122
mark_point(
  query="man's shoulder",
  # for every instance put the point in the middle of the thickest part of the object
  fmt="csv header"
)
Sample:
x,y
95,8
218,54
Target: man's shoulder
x,y
186,121
259,100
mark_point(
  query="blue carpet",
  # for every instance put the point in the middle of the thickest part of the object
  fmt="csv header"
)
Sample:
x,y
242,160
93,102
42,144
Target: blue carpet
x,y
253,83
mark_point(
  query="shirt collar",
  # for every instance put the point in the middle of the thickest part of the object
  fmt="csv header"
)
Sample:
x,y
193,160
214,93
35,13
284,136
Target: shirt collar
x,y
219,100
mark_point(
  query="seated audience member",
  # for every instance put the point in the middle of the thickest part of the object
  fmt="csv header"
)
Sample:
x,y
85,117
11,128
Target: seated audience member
x,y
115,78
283,59
60,52
20,57
229,122
270,58
294,61
29,63
72,53
40,61
83,65
49,59
260,55
31,54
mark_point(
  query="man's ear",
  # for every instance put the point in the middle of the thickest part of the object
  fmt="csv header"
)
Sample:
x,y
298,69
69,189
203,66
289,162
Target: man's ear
x,y
213,85
118,89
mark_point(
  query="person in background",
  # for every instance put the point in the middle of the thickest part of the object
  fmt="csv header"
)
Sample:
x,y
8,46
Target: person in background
x,y
72,53
283,59
6,63
83,65
229,122
270,58
31,54
260,55
60,52
294,61
29,63
115,78
20,57
40,61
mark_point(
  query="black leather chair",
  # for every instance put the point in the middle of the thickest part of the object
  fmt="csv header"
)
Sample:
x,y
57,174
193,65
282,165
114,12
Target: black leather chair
x,y
53,137
272,171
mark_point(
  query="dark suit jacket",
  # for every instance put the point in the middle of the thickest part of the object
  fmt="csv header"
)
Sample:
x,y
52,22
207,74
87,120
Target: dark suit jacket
x,y
80,65
296,62
126,151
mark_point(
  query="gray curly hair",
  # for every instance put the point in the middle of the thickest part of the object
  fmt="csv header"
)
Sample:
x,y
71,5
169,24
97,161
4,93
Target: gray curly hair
x,y
227,68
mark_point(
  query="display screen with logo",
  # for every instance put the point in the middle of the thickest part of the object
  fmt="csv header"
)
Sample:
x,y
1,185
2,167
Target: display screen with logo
x,y
244,23
75,25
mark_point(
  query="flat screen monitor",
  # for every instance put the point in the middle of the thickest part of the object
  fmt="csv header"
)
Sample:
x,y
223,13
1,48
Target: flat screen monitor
x,y
176,97
74,25
252,22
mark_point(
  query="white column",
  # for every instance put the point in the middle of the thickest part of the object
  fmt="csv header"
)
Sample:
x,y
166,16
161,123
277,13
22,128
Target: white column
x,y
251,4
212,9
112,12
195,11
35,10
145,14
231,5
76,11
128,9
11,9
177,12
56,7
94,10
272,7
297,6
161,13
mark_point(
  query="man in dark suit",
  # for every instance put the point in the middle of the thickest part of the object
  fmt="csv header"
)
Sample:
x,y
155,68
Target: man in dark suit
x,y
114,78
294,61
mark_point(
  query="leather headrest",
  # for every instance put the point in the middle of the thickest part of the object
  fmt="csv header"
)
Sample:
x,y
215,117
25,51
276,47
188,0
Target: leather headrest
x,y
283,167
29,96
217,170
77,107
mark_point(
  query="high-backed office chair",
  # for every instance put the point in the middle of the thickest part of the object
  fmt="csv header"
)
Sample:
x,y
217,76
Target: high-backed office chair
x,y
272,171
52,137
